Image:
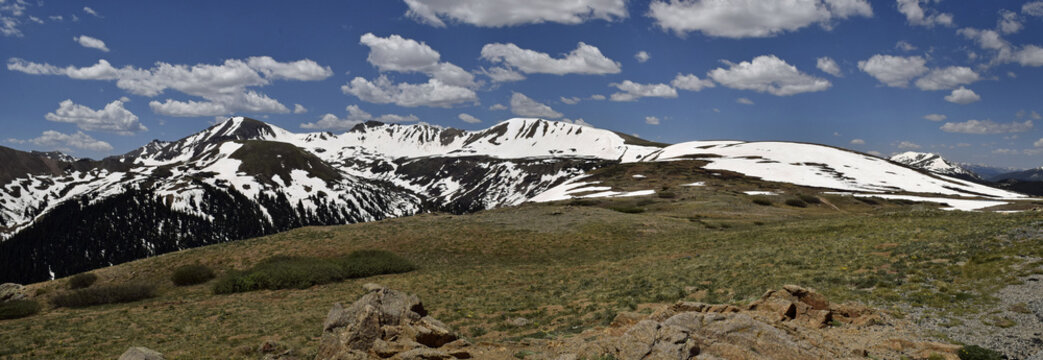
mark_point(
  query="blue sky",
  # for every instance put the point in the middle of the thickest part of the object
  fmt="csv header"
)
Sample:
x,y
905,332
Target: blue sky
x,y
102,78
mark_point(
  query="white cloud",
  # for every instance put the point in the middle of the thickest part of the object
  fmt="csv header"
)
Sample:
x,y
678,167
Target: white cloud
x,y
876,153
497,13
1021,114
642,56
858,142
1034,8
908,145
918,15
829,66
502,74
743,18
89,42
598,97
112,118
935,117
497,107
894,71
691,82
962,96
585,59
299,109
986,127
904,46
630,91
947,78
395,53
433,93
768,73
571,100
651,120
744,101
1004,51
1030,55
51,139
522,105
224,87
468,118
1009,22
355,116
91,11
1038,143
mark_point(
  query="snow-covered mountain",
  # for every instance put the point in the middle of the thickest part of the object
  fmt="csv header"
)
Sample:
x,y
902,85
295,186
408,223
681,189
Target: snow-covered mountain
x,y
244,178
934,163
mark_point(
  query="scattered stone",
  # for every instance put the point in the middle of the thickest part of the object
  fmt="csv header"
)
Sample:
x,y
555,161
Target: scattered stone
x,y
141,353
12,292
519,322
371,287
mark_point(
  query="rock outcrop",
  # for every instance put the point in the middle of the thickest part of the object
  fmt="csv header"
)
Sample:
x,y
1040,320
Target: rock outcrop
x,y
12,292
141,353
385,324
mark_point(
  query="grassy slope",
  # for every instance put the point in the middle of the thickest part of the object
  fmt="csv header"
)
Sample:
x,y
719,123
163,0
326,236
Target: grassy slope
x,y
566,267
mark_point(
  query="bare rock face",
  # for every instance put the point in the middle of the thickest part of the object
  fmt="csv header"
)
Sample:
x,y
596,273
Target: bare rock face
x,y
12,292
387,324
141,353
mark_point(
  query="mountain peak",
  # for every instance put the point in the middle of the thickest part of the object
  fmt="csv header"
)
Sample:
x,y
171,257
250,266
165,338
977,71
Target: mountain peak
x,y
934,163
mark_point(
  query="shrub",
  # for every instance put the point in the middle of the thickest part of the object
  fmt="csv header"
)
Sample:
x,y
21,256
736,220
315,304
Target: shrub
x,y
796,203
18,309
191,275
629,209
100,295
82,280
868,201
762,201
584,202
667,195
975,352
810,199
300,272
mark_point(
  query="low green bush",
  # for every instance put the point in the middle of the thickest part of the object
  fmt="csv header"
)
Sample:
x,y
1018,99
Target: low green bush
x,y
867,201
975,352
762,201
629,209
82,280
300,272
191,275
100,295
667,195
810,199
18,309
796,203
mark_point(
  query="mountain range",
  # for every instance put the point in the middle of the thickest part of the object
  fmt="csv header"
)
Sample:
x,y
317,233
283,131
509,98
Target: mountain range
x,y
244,178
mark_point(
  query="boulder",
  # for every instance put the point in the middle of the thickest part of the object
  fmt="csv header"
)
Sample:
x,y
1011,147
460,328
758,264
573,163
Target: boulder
x,y
12,292
386,323
141,353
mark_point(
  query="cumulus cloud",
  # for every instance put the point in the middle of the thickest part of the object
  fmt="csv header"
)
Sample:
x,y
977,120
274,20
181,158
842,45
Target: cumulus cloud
x,y
908,145
1021,114
585,59
1034,8
829,66
502,74
224,87
468,118
894,71
904,46
987,127
858,142
630,91
744,101
53,140
962,96
571,100
112,118
497,13
651,120
691,82
947,78
598,97
395,53
935,117
522,105
299,109
642,56
88,10
1009,22
742,18
919,15
355,116
433,93
89,42
497,107
768,73
1002,50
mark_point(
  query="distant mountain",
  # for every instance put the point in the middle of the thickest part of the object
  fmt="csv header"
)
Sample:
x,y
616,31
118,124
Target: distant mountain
x,y
988,172
1022,175
936,164
245,178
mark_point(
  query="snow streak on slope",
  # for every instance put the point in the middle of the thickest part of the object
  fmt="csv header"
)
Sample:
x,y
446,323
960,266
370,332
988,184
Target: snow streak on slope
x,y
821,166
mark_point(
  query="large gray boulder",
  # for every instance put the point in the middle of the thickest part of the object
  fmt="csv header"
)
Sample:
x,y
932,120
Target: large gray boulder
x,y
12,292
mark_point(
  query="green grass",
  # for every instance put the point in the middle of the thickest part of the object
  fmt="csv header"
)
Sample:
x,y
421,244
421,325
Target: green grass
x,y
18,309
300,272
192,275
101,295
975,352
